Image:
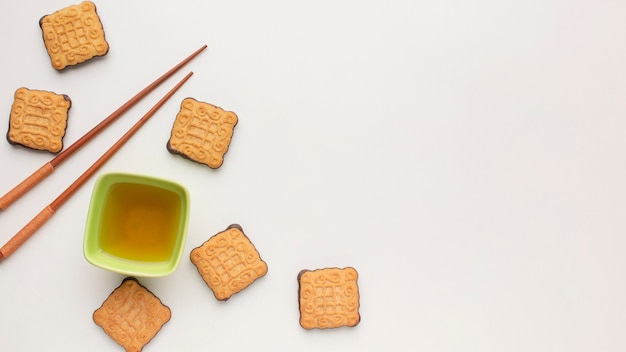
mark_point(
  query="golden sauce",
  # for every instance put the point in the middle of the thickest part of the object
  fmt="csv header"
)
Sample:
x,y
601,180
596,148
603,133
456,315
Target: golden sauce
x,y
140,222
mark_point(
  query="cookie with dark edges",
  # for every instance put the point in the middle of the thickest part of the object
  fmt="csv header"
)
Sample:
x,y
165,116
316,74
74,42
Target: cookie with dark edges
x,y
228,262
73,35
132,315
38,119
328,298
202,132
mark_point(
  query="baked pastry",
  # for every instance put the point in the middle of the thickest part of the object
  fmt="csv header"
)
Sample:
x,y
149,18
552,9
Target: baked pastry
x,y
132,315
73,35
202,132
228,262
328,298
38,119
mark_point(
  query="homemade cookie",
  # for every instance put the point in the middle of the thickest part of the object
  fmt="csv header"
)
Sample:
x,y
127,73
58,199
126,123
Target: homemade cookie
x,y
228,262
328,298
73,35
132,315
38,119
202,132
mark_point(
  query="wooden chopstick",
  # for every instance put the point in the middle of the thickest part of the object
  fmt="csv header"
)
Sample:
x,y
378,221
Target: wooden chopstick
x,y
27,231
48,168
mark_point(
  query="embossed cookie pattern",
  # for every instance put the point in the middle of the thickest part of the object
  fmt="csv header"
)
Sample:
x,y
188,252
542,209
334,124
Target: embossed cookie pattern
x,y
228,262
328,298
73,35
38,119
202,132
132,315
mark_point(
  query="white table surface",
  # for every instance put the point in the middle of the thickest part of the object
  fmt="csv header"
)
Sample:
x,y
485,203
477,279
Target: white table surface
x,y
466,157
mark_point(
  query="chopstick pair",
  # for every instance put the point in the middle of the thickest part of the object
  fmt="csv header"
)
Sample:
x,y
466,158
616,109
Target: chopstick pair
x,y
27,231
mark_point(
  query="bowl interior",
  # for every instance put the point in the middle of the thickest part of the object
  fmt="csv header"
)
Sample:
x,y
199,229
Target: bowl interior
x,y
136,225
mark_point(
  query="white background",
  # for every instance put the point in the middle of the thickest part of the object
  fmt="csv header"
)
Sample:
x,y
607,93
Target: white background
x,y
466,157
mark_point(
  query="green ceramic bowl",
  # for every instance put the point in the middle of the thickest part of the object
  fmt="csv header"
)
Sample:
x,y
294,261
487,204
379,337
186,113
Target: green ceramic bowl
x,y
136,225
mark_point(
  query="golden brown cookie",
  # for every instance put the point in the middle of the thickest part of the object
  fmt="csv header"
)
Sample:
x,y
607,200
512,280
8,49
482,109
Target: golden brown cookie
x,y
328,298
38,119
73,35
132,315
202,132
228,262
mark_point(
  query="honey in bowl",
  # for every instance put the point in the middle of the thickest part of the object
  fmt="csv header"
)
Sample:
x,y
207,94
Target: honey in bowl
x,y
136,225
139,222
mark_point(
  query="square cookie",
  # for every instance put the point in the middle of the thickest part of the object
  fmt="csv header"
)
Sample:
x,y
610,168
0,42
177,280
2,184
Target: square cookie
x,y
328,298
132,315
38,119
228,262
202,132
73,35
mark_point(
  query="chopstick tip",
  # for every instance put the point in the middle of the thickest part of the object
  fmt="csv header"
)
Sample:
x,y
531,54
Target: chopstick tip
x,y
1,257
